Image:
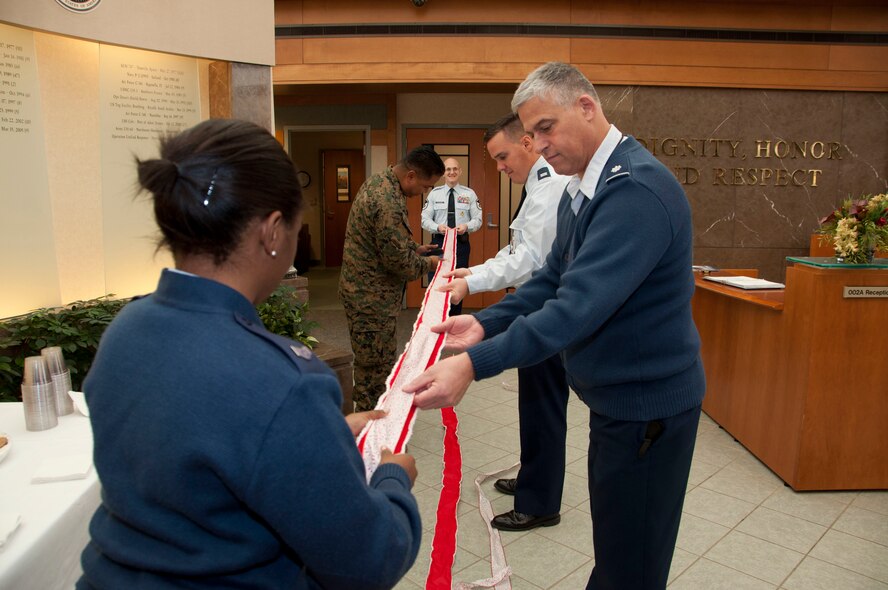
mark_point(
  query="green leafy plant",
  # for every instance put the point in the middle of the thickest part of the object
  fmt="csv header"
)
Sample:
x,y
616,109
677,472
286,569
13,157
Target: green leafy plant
x,y
283,314
76,328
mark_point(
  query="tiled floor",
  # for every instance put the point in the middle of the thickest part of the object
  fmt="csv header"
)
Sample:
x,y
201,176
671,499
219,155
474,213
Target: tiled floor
x,y
741,528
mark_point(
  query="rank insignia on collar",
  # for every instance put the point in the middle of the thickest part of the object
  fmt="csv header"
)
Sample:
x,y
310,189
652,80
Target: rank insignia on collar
x,y
301,351
616,168
543,173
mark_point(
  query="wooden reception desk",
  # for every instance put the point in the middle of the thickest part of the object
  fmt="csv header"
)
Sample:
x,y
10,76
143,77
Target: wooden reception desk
x,y
799,376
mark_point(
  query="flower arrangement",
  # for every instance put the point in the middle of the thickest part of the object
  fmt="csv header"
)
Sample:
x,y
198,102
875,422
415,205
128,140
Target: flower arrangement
x,y
858,228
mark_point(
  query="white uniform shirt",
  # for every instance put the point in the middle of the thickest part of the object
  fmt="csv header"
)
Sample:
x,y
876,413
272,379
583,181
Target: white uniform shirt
x,y
589,181
533,232
466,206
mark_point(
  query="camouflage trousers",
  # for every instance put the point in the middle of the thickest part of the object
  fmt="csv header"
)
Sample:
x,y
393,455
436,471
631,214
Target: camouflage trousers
x,y
375,355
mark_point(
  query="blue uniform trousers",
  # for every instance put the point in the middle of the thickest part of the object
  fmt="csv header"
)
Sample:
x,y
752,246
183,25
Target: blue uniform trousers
x,y
463,249
542,417
637,489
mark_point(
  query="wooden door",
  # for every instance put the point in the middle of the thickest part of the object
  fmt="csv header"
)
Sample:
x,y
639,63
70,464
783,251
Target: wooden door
x,y
480,174
343,172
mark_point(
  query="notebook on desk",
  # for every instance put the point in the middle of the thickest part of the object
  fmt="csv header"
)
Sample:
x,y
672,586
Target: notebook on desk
x,y
745,282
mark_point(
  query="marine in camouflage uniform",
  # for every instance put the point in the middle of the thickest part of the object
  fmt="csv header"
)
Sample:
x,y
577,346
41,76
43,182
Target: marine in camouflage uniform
x,y
379,257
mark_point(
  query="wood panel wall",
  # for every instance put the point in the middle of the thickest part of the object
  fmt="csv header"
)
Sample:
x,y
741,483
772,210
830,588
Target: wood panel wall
x,y
504,59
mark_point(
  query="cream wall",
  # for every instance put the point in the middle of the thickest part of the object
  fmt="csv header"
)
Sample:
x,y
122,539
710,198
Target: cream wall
x,y
27,262
69,259
465,109
441,110
69,104
230,30
69,79
378,159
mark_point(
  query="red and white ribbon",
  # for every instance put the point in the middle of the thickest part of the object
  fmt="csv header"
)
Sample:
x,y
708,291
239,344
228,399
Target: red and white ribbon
x,y
392,432
421,352
499,568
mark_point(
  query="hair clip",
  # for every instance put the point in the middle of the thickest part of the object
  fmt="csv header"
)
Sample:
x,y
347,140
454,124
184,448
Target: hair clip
x,y
210,189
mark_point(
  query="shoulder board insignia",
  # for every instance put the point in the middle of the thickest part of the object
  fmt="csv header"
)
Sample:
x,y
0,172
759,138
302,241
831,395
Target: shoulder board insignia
x,y
617,171
543,173
301,351
299,354
617,175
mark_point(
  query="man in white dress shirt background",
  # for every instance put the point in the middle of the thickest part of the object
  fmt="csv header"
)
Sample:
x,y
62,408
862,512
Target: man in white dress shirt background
x,y
542,388
452,205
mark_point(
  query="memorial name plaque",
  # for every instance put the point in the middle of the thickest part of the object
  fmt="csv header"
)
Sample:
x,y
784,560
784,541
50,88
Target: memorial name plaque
x,y
144,96
17,96
26,237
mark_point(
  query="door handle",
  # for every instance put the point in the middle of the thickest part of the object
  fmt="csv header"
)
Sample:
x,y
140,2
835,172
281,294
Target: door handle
x,y
490,222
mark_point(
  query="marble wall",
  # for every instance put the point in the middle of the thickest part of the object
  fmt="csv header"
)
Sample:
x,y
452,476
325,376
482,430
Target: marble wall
x,y
241,91
760,167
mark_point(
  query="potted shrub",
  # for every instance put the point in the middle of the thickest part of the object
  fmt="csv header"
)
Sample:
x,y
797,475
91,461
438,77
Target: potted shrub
x,y
77,328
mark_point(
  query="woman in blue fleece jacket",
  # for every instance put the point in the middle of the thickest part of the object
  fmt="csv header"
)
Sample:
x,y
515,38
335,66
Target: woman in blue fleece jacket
x,y
614,298
223,456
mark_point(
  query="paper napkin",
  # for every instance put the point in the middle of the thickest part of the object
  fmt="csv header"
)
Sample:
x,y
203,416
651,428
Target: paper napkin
x,y
79,402
63,468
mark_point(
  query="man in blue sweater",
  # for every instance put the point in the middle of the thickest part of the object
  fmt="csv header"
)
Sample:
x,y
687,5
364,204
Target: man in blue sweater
x,y
619,273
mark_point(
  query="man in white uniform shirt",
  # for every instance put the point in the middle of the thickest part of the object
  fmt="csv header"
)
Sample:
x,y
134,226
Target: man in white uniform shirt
x,y
452,205
542,388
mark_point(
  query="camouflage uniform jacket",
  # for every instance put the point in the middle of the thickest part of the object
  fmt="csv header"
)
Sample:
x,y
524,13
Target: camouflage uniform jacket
x,y
379,255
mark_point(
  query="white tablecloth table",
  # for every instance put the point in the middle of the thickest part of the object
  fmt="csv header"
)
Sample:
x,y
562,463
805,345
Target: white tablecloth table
x,y
45,551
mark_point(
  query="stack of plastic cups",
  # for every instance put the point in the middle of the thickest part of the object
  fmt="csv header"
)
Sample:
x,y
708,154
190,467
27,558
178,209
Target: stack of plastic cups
x,y
61,379
38,396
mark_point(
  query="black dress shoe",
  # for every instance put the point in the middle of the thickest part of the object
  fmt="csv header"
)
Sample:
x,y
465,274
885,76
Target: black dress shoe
x,y
506,486
517,521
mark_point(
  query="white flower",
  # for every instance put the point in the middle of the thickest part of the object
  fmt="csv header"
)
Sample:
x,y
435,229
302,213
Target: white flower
x,y
846,236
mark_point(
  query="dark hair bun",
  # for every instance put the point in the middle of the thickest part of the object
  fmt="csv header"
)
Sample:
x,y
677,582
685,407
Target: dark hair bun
x,y
157,176
212,180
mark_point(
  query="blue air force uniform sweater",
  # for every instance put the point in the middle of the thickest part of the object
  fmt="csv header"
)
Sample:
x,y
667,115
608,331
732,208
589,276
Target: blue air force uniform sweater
x,y
614,297
225,461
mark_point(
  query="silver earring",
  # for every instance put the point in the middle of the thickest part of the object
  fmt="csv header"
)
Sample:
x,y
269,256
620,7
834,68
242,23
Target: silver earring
x,y
274,253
